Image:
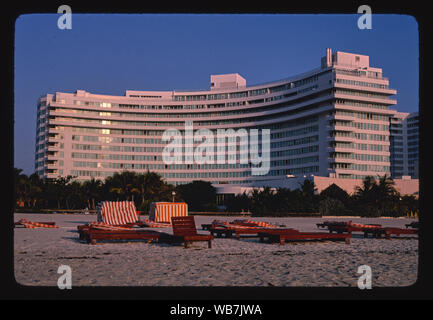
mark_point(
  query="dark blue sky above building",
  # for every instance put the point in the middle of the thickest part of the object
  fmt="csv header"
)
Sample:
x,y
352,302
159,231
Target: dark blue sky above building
x,y
111,53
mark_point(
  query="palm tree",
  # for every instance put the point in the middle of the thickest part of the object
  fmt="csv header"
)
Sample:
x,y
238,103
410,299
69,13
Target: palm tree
x,y
61,189
200,195
308,195
238,203
20,181
377,197
35,189
385,188
92,191
122,184
262,201
74,195
365,198
366,191
387,196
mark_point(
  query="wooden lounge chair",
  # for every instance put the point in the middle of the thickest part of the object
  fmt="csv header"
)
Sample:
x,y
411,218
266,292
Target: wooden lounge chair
x,y
117,220
255,231
113,213
184,229
93,235
101,231
349,227
241,227
388,231
377,231
282,235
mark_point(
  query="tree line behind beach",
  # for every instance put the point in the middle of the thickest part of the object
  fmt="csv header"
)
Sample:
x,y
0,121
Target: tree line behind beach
x,y
374,198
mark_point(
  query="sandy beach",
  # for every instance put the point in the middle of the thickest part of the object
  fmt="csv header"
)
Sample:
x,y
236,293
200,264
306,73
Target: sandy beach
x,y
247,262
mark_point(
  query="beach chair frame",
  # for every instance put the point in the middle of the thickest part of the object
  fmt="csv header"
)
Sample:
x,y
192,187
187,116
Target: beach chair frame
x,y
294,235
185,230
92,236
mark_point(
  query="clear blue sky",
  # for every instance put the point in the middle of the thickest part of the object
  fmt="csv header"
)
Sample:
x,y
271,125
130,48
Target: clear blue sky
x,y
111,53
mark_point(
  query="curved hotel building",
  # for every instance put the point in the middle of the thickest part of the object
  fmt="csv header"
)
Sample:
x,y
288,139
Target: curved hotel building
x,y
332,121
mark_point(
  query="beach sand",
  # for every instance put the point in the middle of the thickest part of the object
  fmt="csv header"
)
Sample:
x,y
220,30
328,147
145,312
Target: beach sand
x,y
38,253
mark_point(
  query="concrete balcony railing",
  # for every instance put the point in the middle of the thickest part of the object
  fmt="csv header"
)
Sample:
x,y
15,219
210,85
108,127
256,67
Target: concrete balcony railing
x,y
343,128
385,101
341,117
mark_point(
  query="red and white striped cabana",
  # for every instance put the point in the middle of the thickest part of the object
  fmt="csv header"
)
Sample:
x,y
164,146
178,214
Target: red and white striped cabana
x,y
163,211
116,213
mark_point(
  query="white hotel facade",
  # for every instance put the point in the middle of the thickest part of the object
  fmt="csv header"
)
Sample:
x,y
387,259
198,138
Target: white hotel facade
x,y
330,122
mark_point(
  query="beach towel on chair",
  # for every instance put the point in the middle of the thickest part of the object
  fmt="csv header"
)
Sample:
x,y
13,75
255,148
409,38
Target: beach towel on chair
x,y
152,224
103,226
33,225
363,226
261,224
252,223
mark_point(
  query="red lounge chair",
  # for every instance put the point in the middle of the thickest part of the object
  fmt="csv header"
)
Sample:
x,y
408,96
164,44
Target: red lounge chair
x,y
184,228
376,230
241,227
386,232
93,235
255,231
398,231
101,231
116,221
342,226
282,236
114,213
